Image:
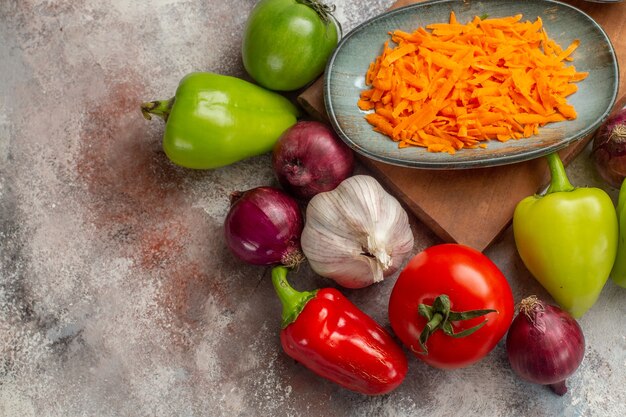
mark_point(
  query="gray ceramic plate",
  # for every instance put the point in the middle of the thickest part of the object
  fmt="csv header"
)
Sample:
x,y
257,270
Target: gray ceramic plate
x,y
593,101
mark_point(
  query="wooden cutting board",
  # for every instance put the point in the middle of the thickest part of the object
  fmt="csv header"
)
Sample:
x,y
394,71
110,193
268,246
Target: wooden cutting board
x,y
473,206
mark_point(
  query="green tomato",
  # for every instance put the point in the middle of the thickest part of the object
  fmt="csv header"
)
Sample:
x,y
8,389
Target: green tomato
x,y
287,43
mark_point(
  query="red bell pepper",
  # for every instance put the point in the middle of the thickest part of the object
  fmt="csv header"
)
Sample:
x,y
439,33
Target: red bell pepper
x,y
329,335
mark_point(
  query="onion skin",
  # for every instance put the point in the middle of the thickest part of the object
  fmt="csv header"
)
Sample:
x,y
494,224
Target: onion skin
x,y
545,345
609,147
309,158
263,227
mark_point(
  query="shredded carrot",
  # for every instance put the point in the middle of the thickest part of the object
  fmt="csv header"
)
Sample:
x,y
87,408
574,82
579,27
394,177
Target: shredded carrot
x,y
451,86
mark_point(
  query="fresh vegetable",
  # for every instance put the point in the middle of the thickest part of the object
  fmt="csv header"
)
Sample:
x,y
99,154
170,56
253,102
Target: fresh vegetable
x,y
450,306
309,159
457,85
215,120
356,234
286,43
329,335
567,238
545,344
263,227
618,273
609,147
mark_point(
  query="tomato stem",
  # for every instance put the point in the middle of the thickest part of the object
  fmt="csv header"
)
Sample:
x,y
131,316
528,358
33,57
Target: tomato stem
x,y
440,316
324,11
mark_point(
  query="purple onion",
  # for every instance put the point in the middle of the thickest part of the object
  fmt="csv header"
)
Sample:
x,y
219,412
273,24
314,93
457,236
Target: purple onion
x,y
263,227
309,158
609,147
545,344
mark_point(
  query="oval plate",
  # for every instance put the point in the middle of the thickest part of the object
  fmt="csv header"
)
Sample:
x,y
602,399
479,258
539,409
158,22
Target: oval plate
x,y
345,79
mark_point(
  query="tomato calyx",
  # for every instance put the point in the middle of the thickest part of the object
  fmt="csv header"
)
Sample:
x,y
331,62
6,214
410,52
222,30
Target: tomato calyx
x,y
324,11
440,316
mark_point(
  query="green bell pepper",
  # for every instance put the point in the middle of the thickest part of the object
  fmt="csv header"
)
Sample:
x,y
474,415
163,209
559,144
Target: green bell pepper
x,y
567,239
215,120
618,274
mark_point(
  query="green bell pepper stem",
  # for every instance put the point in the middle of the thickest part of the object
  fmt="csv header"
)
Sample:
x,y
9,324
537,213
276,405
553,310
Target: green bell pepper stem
x,y
159,108
559,181
293,301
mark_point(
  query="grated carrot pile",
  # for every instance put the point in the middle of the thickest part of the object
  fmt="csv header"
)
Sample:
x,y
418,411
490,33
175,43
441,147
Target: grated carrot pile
x,y
456,86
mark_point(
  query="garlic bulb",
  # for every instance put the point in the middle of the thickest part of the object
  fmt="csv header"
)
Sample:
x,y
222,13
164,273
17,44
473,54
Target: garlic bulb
x,y
356,234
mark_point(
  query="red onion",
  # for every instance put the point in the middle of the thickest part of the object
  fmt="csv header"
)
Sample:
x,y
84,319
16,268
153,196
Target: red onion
x,y
263,227
309,158
609,147
545,344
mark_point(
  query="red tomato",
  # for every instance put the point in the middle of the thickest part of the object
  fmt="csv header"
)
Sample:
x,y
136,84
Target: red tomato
x,y
472,282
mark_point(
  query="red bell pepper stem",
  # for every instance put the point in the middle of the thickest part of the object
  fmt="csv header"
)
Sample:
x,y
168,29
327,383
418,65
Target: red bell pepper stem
x,y
559,181
293,301
329,335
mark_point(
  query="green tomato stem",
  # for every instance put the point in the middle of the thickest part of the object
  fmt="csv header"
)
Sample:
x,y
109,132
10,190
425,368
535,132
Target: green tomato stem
x,y
324,11
159,108
559,181
293,301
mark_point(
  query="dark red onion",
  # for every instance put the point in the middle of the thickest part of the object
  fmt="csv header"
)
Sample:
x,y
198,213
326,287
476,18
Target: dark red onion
x,y
545,344
609,147
309,158
263,227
